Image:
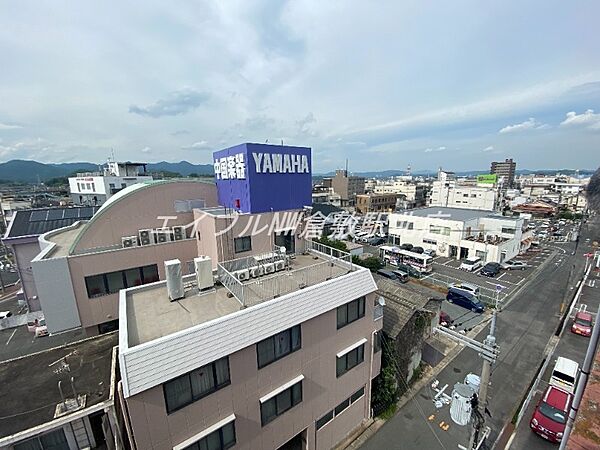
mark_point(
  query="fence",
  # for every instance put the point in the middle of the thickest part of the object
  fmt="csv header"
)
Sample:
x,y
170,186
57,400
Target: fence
x,y
486,295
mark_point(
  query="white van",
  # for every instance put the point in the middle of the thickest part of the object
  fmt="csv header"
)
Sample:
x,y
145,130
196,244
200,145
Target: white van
x,y
471,264
564,375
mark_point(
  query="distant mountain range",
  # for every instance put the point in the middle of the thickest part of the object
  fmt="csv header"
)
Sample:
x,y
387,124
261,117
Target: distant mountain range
x,y
25,171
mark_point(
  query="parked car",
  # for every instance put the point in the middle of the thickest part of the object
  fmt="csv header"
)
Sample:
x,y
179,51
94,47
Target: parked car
x,y
431,252
417,250
467,287
491,269
376,241
464,299
406,247
409,270
403,276
514,265
550,415
445,319
5,314
582,324
564,374
471,264
41,330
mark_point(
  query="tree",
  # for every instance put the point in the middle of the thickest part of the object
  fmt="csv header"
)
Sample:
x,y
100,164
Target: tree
x,y
372,263
333,243
193,175
385,386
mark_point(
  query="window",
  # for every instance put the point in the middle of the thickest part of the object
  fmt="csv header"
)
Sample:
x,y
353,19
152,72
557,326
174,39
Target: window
x,y
436,229
278,346
328,417
242,244
508,230
350,360
220,439
429,241
111,282
377,342
350,312
275,406
55,440
196,384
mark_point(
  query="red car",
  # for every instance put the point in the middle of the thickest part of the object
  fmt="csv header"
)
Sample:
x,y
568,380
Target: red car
x,y
582,324
551,414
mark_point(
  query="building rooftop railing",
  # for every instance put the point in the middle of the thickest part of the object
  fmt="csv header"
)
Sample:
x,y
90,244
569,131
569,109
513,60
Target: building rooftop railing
x,y
316,263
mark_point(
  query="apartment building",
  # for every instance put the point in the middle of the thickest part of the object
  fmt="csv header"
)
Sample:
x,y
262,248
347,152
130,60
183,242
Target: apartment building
x,y
283,360
505,170
412,194
366,203
94,188
460,233
347,186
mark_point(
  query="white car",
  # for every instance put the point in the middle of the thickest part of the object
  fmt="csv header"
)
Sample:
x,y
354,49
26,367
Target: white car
x,y
431,252
467,287
5,314
41,330
471,264
514,265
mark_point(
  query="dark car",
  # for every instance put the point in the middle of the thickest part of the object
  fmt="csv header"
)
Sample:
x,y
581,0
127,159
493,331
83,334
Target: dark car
x,y
406,247
417,250
402,275
376,241
465,300
491,269
409,270
388,274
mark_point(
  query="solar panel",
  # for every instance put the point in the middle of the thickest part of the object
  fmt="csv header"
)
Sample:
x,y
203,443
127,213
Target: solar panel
x,y
86,213
71,213
38,216
55,214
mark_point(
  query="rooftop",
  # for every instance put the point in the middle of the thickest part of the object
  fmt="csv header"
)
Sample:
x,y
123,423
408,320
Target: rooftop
x,y
34,222
63,239
30,396
151,315
458,214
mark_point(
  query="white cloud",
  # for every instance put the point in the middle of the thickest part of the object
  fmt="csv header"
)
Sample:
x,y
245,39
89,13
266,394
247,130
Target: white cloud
x,y
176,103
437,149
146,150
588,119
5,126
200,145
529,124
489,148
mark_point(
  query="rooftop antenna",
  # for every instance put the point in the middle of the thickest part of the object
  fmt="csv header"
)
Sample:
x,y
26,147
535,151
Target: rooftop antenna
x,y
346,166
282,142
267,141
408,170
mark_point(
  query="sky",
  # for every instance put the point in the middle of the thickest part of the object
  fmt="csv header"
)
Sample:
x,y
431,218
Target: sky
x,y
385,84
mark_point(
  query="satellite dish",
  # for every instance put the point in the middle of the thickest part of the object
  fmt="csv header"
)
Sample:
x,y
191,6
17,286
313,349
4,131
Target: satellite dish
x,y
282,249
381,301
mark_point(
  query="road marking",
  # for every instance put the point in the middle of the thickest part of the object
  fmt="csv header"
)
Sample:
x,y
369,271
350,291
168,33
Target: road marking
x,y
447,262
11,336
496,284
501,275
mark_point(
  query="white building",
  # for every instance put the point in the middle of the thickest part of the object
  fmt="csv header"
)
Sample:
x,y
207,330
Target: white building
x,y
327,196
460,233
94,188
411,193
448,192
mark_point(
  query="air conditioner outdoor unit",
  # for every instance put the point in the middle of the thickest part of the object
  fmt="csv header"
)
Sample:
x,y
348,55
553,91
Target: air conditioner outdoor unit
x,y
174,280
242,275
279,265
257,271
204,275
129,241
145,237
162,235
269,268
178,233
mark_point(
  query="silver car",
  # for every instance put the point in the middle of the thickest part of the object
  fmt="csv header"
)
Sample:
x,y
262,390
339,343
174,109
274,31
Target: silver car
x,y
514,265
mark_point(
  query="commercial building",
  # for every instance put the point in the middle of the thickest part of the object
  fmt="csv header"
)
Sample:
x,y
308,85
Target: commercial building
x,y
366,203
279,352
82,267
460,233
22,236
347,186
62,398
505,170
322,194
448,192
410,193
94,188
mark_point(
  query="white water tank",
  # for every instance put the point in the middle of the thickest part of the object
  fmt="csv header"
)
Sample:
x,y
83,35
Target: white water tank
x,y
460,406
204,275
174,280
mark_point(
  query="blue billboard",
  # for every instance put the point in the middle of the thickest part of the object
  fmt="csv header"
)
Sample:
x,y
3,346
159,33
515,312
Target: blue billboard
x,y
256,178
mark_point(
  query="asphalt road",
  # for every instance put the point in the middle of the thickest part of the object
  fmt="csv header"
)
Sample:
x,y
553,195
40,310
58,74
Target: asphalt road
x,y
523,330
571,346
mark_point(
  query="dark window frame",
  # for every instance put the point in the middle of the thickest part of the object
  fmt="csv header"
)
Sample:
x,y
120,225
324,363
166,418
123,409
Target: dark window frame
x,y
104,277
332,414
274,399
273,338
194,398
222,445
344,309
358,352
377,341
240,242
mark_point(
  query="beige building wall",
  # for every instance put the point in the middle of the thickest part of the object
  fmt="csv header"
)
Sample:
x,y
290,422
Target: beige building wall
x,y
153,429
